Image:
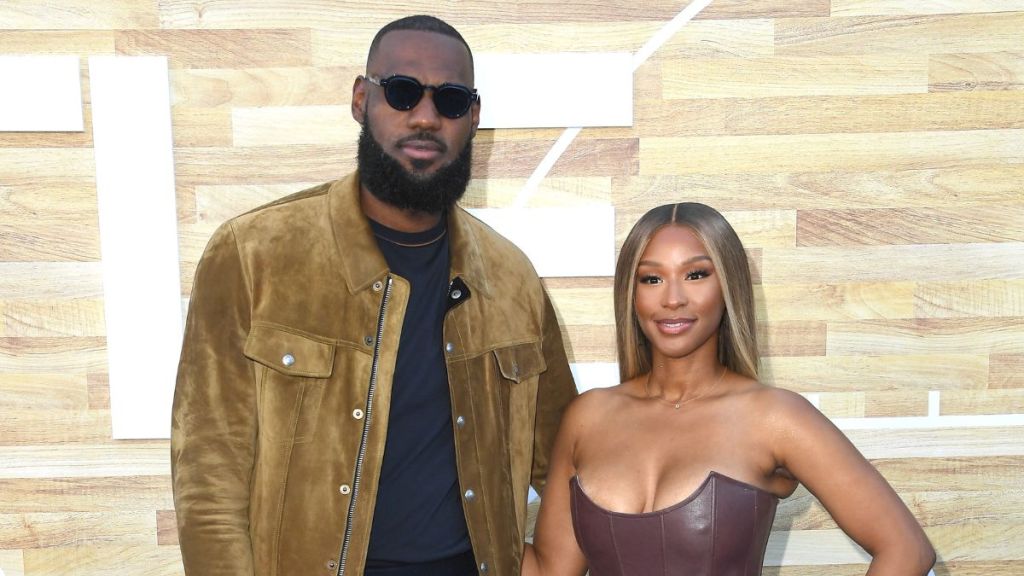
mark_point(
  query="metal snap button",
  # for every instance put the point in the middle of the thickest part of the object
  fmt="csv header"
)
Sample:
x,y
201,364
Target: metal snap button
x,y
378,286
357,414
483,567
368,340
460,421
456,294
345,489
449,347
470,495
288,360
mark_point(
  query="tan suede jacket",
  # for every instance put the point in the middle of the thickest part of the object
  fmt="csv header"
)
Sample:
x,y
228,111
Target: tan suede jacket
x,y
282,400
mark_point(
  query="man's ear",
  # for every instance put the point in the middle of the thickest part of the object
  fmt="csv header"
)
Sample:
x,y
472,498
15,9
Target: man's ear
x,y
359,99
474,111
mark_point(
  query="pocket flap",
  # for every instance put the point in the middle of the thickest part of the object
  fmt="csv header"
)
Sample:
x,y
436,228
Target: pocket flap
x,y
520,362
289,353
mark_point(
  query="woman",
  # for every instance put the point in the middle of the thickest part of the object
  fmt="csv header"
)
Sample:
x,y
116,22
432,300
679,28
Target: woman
x,y
678,469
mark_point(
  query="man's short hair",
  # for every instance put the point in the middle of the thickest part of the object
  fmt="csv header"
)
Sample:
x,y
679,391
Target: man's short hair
x,y
422,23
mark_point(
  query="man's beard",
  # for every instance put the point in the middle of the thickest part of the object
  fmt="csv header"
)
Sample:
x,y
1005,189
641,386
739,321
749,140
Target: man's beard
x,y
391,183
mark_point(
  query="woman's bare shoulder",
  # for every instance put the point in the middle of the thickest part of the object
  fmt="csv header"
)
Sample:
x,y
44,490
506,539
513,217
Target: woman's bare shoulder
x,y
784,413
595,402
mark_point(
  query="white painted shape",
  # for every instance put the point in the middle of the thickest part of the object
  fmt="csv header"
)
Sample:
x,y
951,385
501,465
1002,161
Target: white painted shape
x,y
590,375
131,116
933,403
555,90
814,398
561,242
637,60
40,94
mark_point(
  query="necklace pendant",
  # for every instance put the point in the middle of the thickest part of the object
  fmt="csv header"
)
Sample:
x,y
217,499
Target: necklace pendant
x,y
677,406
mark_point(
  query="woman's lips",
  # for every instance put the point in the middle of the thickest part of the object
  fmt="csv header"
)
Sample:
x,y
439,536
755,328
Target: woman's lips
x,y
675,325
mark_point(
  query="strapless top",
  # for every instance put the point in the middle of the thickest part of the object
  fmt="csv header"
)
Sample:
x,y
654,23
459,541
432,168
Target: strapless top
x,y
721,529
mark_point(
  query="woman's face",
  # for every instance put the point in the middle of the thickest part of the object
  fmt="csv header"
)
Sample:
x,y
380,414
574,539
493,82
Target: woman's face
x,y
678,301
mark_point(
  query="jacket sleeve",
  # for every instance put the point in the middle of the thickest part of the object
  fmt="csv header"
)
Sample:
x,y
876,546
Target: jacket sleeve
x,y
213,426
555,389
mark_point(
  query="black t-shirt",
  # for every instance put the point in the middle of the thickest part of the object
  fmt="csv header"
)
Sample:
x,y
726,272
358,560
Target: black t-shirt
x,y
418,516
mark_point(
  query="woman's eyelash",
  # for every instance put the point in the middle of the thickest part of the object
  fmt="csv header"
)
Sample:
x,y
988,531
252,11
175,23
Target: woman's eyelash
x,y
691,275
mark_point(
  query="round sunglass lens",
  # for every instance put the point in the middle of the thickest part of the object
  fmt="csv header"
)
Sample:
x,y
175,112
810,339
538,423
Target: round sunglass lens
x,y
452,102
403,93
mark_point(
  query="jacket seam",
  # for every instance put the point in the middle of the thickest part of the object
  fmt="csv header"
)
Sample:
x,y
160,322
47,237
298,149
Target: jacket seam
x,y
243,265
284,484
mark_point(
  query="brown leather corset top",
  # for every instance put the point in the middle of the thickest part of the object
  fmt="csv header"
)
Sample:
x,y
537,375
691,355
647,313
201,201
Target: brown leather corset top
x,y
720,530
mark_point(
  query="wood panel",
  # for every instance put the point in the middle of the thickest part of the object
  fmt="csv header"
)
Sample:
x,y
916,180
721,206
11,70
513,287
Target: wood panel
x,y
42,318
1006,371
77,14
873,404
211,88
700,38
86,460
835,301
219,48
816,114
894,263
869,153
986,71
1010,401
989,298
138,559
824,152
992,223
43,391
947,33
794,76
834,189
890,7
927,336
890,372
53,41
277,126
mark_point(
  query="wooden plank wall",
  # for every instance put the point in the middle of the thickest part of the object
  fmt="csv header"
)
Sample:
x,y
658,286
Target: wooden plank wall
x,y
870,153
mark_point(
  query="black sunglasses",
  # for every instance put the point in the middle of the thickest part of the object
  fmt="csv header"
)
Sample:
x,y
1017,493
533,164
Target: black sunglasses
x,y
404,93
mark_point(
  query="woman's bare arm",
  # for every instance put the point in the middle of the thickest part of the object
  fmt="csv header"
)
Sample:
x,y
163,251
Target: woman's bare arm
x,y
554,551
860,500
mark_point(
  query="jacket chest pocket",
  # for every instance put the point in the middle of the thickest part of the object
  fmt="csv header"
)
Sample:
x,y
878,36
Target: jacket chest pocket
x,y
519,367
291,373
520,362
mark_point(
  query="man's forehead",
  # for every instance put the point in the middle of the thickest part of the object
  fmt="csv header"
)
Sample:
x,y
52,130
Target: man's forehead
x,y
419,48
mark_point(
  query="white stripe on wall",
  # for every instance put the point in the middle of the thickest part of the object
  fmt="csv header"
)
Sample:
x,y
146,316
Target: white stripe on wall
x,y
131,116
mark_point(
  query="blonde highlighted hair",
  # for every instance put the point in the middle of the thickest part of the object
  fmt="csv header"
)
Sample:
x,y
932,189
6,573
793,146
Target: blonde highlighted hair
x,y
737,335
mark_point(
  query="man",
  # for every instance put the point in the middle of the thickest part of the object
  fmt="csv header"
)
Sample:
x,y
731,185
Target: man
x,y
371,378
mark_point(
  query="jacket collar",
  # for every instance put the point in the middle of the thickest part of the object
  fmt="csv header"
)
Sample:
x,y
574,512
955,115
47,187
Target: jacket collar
x,y
361,258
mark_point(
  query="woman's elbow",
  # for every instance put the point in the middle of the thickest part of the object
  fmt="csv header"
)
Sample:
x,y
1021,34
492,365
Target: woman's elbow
x,y
926,557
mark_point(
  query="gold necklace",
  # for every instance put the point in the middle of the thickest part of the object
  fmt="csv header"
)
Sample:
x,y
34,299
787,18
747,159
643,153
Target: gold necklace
x,y
420,245
676,404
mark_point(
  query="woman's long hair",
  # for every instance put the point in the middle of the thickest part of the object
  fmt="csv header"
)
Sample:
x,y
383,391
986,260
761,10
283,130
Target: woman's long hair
x,y
737,335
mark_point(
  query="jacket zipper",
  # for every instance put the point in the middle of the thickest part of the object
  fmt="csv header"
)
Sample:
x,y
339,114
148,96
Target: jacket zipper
x,y
366,430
